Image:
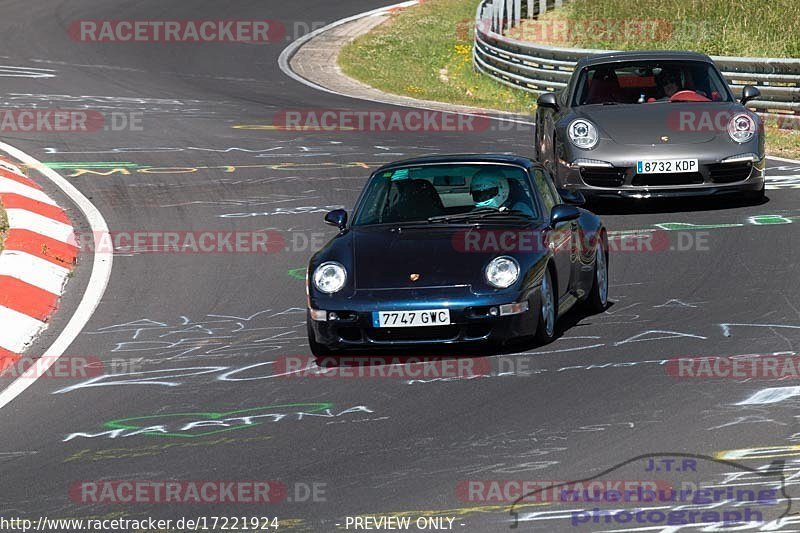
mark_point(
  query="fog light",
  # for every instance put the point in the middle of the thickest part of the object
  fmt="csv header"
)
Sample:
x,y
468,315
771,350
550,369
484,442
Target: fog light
x,y
333,316
513,309
493,311
318,315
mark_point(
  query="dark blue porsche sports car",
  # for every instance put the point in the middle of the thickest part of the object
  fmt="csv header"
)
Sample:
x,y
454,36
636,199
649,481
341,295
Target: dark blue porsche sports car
x,y
450,249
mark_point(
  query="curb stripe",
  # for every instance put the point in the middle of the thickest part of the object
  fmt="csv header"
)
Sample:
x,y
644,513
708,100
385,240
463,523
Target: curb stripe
x,y
89,300
57,252
18,330
5,163
33,270
13,176
14,187
26,298
20,218
16,201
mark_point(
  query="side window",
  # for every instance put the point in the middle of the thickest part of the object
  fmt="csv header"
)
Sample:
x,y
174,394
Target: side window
x,y
545,189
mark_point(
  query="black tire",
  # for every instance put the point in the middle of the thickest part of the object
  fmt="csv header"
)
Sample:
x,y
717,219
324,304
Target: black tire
x,y
546,329
597,301
317,349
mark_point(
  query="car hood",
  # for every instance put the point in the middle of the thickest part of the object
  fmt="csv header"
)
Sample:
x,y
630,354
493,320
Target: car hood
x,y
385,258
645,124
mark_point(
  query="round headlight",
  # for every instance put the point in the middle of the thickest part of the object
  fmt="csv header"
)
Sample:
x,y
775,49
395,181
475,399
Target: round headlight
x,y
330,277
502,272
741,128
583,134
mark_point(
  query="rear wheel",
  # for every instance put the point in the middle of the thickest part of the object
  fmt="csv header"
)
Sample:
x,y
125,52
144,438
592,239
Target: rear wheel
x,y
546,329
597,302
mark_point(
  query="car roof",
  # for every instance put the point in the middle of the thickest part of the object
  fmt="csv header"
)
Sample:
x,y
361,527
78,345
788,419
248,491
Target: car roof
x,y
614,57
461,158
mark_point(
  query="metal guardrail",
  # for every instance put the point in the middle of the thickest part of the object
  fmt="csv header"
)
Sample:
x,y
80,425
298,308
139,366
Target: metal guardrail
x,y
539,68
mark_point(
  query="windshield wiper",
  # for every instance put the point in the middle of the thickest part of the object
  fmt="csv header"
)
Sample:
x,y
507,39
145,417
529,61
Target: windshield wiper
x,y
483,213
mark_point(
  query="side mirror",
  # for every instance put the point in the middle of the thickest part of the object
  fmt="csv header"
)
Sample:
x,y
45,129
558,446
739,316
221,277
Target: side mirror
x,y
548,100
749,93
337,217
563,213
572,196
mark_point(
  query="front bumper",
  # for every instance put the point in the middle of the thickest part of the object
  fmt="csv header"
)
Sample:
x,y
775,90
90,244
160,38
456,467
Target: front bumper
x,y
470,322
617,177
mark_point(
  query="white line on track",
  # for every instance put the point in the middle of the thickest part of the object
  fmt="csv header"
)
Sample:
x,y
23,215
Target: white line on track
x,y
294,46
98,281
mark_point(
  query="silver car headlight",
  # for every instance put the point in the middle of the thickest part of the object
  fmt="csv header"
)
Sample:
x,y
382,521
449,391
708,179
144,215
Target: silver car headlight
x,y
742,128
583,134
502,272
330,277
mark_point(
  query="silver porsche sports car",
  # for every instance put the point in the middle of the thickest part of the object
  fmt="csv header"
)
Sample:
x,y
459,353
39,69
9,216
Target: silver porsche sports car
x,y
651,124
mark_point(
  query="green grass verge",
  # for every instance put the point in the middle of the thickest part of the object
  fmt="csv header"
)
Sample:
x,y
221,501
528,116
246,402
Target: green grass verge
x,y
715,27
389,58
426,52
783,143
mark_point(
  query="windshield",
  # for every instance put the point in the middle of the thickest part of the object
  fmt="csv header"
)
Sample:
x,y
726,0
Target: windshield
x,y
441,192
643,82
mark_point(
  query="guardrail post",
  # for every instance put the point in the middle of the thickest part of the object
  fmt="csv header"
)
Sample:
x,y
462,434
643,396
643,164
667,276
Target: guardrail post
x,y
542,7
530,14
517,12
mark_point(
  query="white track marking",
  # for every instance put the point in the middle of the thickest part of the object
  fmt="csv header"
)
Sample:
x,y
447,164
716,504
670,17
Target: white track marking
x,y
98,281
33,270
783,160
22,218
10,186
18,329
289,51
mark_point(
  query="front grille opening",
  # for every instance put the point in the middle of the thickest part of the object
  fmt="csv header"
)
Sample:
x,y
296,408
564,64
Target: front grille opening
x,y
352,334
680,178
603,177
730,172
432,333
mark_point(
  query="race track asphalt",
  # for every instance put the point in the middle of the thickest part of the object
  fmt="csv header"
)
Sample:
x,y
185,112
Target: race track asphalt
x,y
199,333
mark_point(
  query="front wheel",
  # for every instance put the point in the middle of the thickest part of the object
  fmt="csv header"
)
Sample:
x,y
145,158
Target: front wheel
x,y
546,329
598,295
